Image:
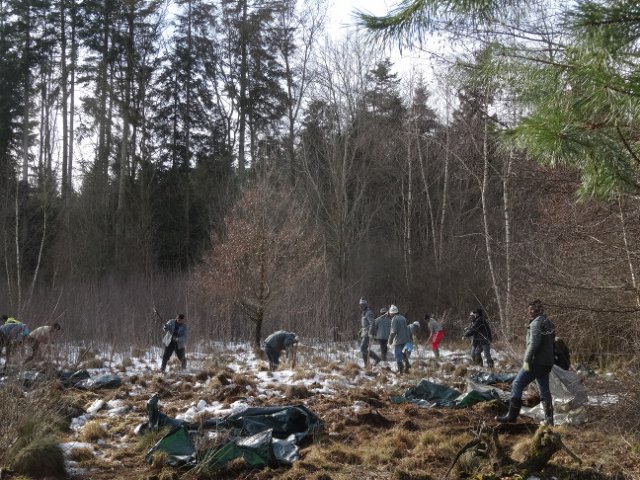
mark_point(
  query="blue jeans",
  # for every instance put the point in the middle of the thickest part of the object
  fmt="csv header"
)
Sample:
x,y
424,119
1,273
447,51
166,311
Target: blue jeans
x,y
539,373
397,352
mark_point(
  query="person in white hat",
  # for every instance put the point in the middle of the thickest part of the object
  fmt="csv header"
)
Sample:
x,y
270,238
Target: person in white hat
x,y
399,336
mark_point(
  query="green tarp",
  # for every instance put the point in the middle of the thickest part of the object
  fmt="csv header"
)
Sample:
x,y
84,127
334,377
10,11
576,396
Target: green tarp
x,y
262,436
177,444
431,394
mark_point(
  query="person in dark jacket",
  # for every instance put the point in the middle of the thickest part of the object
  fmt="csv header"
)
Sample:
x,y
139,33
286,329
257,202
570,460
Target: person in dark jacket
x,y
481,337
537,364
367,319
399,336
175,340
275,343
380,331
12,335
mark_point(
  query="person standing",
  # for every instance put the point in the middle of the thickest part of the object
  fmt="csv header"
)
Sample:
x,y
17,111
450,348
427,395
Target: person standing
x,y
436,333
399,335
275,343
481,337
380,331
366,321
175,340
42,336
537,364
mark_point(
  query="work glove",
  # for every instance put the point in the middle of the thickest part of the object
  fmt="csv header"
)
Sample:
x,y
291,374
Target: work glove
x,y
525,366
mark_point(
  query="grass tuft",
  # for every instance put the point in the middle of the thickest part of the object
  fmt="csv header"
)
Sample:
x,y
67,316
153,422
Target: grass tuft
x,y
92,431
40,457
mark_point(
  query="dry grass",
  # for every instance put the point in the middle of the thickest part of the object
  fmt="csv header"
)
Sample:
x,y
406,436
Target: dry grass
x,y
92,431
81,454
40,457
149,439
92,363
296,391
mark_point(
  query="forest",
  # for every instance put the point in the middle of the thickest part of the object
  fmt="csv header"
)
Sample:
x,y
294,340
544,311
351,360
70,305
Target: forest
x,y
226,159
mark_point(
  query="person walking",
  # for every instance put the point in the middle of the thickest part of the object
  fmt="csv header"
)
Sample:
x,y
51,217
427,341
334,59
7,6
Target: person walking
x,y
366,321
436,333
276,343
481,337
399,335
537,364
42,336
380,331
175,340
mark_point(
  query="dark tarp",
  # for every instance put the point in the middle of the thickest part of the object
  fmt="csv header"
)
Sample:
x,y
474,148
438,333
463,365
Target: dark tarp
x,y
103,381
158,420
69,379
431,394
284,421
262,436
491,378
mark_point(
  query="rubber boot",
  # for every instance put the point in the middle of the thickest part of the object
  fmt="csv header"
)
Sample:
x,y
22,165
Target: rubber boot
x,y
548,414
436,352
365,358
400,368
514,410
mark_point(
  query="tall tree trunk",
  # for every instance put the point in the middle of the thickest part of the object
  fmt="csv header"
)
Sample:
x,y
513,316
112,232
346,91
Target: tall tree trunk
x,y
74,60
485,218
445,190
244,79
407,207
427,191
64,84
625,239
17,245
506,209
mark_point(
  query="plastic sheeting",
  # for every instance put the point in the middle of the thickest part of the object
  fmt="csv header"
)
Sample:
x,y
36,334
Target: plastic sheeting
x,y
430,394
102,381
491,378
262,436
69,379
178,446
